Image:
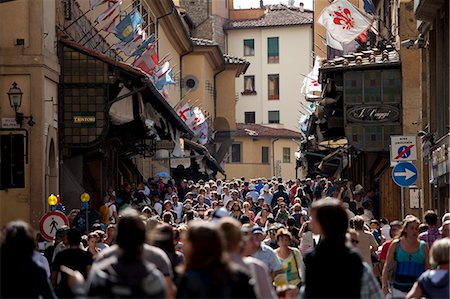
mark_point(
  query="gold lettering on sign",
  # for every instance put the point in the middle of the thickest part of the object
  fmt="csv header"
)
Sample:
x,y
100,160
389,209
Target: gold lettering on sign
x,y
83,119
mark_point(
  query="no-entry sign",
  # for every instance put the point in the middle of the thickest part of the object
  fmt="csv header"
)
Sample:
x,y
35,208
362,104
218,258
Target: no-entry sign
x,y
50,223
403,148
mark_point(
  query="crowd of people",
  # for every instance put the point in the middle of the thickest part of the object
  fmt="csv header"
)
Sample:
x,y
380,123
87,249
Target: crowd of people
x,y
260,238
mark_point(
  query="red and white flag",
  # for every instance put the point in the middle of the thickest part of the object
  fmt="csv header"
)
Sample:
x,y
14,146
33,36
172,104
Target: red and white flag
x,y
185,113
311,86
343,21
148,61
108,12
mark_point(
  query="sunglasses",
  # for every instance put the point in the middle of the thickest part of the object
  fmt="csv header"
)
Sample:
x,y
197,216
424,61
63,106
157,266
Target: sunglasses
x,y
355,241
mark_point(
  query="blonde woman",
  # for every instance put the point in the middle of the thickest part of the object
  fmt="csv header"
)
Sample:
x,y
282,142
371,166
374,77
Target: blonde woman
x,y
246,211
410,258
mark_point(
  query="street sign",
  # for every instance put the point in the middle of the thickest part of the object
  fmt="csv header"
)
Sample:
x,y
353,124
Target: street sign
x,y
50,223
403,148
404,174
9,123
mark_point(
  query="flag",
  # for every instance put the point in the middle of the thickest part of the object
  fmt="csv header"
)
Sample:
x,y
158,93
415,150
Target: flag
x,y
333,43
185,113
130,47
343,21
127,28
108,12
196,119
162,70
110,26
144,46
94,3
147,62
311,83
201,133
164,80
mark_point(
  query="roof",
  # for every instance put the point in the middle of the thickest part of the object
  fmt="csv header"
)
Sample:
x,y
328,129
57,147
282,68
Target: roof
x,y
228,59
256,130
275,15
158,102
370,58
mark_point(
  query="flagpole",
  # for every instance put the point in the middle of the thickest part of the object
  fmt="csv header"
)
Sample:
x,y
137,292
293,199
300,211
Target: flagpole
x,y
179,102
76,20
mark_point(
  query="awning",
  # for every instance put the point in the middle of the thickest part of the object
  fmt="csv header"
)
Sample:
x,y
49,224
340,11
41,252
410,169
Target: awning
x,y
146,87
203,150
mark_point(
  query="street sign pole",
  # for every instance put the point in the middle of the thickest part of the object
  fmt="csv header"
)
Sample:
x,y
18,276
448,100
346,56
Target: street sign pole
x,y
402,200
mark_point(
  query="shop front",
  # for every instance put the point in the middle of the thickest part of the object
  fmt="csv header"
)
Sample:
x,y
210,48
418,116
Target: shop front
x,y
440,175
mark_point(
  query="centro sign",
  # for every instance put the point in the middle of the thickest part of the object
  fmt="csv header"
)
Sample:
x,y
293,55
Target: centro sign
x,y
373,114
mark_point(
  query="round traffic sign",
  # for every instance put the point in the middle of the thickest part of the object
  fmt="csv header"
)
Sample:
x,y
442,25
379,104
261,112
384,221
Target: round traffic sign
x,y
404,174
50,223
404,152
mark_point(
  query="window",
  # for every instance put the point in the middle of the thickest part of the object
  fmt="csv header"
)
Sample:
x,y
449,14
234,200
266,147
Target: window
x,y
274,87
249,117
286,155
265,154
249,47
236,153
12,168
249,85
273,55
274,117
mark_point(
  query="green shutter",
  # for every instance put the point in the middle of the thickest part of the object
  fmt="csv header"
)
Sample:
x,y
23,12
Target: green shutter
x,y
272,46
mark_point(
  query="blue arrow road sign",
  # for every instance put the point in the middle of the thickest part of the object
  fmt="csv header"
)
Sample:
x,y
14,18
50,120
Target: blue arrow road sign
x,y
404,174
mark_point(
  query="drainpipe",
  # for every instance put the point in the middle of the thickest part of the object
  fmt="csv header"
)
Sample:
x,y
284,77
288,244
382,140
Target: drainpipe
x,y
273,155
215,90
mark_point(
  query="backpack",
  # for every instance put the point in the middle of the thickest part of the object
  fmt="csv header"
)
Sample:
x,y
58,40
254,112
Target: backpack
x,y
114,278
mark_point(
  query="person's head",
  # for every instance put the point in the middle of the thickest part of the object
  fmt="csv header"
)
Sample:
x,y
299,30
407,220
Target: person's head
x,y
130,232
423,227
439,253
264,212
358,223
445,217
258,233
74,237
329,219
260,201
374,224
92,239
431,218
235,207
174,198
231,229
167,217
383,222
251,242
290,222
394,231
282,207
200,199
283,237
168,205
445,229
163,237
18,241
204,246
410,228
280,200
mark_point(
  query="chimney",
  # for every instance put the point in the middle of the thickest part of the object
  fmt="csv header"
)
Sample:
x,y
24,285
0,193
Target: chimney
x,y
261,4
302,6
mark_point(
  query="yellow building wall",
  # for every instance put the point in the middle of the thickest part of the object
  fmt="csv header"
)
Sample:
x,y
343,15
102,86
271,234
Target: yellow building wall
x,y
196,64
165,48
226,103
251,154
220,8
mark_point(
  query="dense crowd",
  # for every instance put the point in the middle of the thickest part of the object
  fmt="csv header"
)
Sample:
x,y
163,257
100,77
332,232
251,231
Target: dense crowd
x,y
261,238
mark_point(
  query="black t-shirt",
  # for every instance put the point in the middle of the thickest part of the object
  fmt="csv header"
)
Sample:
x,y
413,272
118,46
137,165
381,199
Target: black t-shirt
x,y
75,259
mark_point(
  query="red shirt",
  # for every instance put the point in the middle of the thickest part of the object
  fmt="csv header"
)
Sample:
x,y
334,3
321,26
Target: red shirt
x,y
384,250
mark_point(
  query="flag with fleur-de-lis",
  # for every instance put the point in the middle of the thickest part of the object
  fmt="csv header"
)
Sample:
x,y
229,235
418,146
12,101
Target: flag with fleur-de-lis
x,y
343,21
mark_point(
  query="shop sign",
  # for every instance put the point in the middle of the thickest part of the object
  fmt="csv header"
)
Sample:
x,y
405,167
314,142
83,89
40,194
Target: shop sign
x,y
9,123
439,160
165,145
373,114
84,118
68,9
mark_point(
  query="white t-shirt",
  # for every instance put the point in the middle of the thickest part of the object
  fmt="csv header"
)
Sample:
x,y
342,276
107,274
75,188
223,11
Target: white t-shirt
x,y
112,209
385,232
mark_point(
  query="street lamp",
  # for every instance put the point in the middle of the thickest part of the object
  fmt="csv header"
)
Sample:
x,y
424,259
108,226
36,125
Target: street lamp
x,y
15,101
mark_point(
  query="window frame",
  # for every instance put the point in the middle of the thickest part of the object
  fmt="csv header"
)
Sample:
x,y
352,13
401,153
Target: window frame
x,y
249,91
252,50
246,113
263,155
232,160
12,161
275,96
286,159
268,117
273,58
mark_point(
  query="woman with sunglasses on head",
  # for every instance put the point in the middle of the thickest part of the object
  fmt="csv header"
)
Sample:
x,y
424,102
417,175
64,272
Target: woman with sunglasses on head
x,y
410,256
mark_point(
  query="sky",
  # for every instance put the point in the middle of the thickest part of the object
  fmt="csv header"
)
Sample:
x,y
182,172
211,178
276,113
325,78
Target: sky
x,y
255,3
